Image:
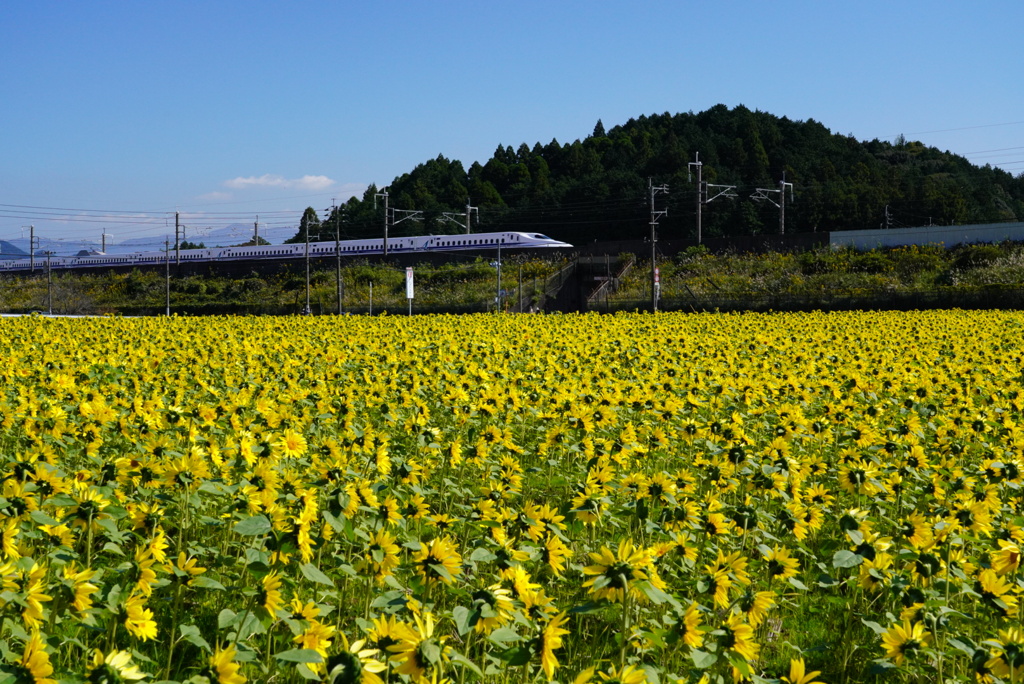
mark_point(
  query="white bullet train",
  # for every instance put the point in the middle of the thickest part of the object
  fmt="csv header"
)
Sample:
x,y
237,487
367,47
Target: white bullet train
x,y
349,248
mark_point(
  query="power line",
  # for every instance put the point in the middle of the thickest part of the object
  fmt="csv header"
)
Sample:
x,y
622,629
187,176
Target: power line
x,y
999,149
964,128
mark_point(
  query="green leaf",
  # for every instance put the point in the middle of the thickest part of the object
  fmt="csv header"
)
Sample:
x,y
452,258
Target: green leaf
x,y
41,518
314,574
431,651
441,571
226,618
655,594
503,636
797,584
300,655
874,627
846,559
586,608
702,660
516,656
652,674
961,646
204,582
741,665
465,619
333,521
253,526
191,634
461,660
307,673
482,555
250,625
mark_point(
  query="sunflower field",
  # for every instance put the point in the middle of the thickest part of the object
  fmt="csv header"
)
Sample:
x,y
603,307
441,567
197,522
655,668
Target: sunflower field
x,y
513,498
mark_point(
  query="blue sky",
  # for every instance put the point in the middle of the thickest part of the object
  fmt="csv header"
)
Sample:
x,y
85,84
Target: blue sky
x,y
115,114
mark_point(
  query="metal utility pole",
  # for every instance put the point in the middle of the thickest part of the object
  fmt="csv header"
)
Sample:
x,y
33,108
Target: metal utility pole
x,y
103,242
519,289
762,194
307,310
782,202
49,285
337,251
177,242
498,306
463,219
469,213
699,165
386,216
167,274
655,217
256,231
702,193
32,248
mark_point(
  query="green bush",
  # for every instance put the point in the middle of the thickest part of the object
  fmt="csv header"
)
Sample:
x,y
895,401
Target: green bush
x,y
975,256
870,262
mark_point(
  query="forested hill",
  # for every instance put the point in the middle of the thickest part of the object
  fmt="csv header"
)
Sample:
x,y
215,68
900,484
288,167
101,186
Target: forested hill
x,y
597,188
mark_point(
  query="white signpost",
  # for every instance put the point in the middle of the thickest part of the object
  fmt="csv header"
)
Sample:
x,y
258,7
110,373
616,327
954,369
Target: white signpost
x,y
409,286
657,286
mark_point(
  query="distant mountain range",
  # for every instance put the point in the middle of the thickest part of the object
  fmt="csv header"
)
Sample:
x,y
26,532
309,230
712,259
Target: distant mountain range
x,y
9,250
233,234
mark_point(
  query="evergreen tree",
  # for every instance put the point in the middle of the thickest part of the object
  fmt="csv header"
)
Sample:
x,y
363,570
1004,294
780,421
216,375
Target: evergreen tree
x,y
308,225
254,242
596,188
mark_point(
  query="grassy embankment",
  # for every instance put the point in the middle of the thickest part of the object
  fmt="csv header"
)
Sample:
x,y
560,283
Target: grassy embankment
x,y
825,275
448,287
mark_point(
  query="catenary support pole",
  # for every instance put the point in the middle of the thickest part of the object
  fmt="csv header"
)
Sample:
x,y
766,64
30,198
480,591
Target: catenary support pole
x,y
167,276
49,285
337,254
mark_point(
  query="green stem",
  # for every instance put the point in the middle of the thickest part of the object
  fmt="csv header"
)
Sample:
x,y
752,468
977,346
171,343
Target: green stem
x,y
625,625
174,628
88,544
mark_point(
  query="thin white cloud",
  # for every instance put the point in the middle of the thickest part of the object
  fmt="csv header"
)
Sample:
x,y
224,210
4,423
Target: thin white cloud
x,y
269,180
216,196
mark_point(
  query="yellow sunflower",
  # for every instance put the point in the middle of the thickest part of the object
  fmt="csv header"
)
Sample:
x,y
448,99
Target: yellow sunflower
x,y
900,641
419,653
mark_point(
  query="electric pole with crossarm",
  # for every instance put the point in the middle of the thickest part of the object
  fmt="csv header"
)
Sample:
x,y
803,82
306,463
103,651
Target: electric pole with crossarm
x,y
656,216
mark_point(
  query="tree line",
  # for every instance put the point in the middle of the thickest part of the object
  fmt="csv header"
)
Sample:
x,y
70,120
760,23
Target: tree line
x,y
597,188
